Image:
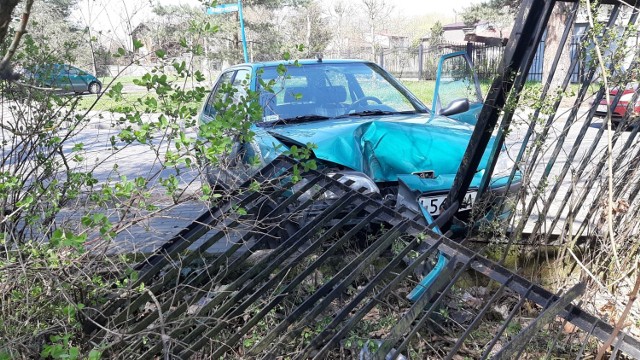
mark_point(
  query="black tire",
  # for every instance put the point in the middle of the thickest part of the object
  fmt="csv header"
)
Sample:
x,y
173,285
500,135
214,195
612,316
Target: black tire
x,y
95,87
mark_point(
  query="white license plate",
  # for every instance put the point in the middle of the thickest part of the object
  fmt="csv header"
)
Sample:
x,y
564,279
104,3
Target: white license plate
x,y
433,203
602,108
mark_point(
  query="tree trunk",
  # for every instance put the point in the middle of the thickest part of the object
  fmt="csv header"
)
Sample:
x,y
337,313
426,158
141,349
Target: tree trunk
x,y
308,33
6,9
373,41
94,63
554,34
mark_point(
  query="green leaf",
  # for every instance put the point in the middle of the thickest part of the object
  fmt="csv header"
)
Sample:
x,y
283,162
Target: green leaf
x,y
28,200
137,44
121,51
160,53
94,355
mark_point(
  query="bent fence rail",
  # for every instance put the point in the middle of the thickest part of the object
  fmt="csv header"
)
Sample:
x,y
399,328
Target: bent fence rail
x,y
263,304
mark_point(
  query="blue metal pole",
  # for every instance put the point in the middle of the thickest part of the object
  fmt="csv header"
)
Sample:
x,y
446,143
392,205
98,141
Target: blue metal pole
x,y
244,38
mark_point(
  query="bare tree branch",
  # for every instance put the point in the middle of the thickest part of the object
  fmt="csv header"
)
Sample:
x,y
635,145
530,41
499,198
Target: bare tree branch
x,y
4,64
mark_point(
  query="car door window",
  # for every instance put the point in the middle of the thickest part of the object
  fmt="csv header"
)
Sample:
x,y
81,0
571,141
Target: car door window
x,y
218,93
455,80
240,84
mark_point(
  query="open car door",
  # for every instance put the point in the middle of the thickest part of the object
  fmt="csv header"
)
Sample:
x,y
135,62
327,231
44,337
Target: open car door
x,y
457,91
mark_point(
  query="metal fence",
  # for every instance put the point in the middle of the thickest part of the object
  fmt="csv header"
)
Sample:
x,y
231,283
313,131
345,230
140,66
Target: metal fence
x,y
578,174
283,304
287,303
422,61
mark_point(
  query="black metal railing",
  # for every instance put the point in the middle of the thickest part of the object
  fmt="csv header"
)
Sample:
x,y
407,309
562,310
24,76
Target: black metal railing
x,y
336,284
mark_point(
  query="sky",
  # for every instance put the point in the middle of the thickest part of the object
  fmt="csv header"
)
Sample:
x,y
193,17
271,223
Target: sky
x,y
423,7
107,15
401,7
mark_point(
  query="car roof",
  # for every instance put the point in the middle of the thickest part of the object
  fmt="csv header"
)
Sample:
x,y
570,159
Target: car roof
x,y
256,65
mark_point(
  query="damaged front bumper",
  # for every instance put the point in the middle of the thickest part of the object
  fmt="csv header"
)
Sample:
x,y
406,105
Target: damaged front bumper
x,y
497,201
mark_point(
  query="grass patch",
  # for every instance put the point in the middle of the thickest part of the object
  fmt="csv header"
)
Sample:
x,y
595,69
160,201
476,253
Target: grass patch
x,y
423,89
105,103
125,80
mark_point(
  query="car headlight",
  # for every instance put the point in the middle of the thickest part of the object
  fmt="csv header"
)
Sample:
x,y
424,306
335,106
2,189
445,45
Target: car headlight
x,y
359,180
504,165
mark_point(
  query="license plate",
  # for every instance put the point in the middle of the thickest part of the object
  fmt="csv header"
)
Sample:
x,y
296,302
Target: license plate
x,y
602,108
433,203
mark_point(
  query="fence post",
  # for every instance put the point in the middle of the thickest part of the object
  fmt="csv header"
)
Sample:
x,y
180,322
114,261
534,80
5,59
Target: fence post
x,y
420,60
470,51
381,62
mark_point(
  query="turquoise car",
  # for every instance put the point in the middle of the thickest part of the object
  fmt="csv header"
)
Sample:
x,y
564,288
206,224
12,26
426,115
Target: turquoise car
x,y
65,77
364,124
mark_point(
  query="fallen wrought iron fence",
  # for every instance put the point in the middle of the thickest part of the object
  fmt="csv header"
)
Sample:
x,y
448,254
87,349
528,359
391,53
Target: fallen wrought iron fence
x,y
333,286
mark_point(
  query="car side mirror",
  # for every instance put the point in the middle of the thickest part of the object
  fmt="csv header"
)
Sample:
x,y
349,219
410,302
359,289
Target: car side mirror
x,y
455,107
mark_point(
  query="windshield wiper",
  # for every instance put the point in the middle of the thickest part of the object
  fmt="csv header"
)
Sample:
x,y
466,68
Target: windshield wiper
x,y
376,112
296,119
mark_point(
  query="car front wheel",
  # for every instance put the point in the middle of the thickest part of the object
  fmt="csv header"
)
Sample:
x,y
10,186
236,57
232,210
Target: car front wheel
x,y
95,87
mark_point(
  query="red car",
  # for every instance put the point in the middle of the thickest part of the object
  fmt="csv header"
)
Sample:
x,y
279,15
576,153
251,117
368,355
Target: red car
x,y
623,105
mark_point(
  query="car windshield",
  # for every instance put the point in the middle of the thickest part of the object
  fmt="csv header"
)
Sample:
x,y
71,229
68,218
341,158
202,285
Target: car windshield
x,y
324,90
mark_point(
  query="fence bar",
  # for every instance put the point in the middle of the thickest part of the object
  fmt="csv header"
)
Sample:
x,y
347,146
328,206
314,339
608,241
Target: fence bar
x,y
529,28
560,141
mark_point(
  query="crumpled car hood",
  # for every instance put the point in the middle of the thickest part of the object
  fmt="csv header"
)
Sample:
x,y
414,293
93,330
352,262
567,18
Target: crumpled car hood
x,y
384,147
